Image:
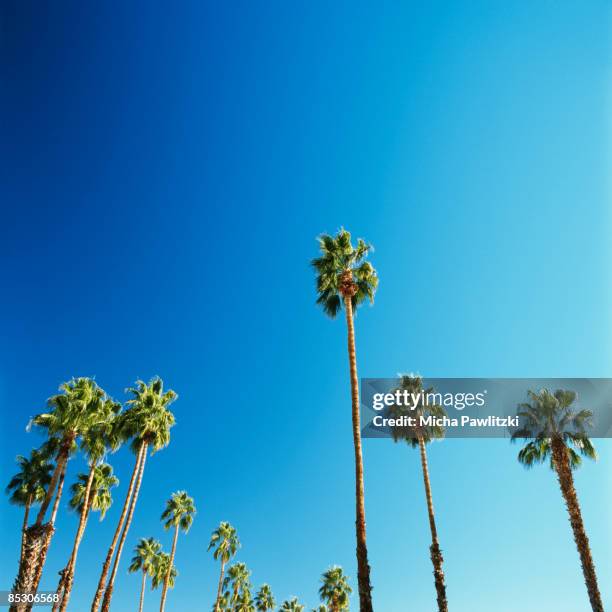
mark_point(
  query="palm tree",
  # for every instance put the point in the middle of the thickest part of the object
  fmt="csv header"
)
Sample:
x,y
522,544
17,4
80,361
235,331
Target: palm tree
x,y
558,432
418,436
179,514
161,566
147,421
345,278
145,560
264,599
95,444
225,542
28,487
72,412
244,601
237,581
335,589
291,605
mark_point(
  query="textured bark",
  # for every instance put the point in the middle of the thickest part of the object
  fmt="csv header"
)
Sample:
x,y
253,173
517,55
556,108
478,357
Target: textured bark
x,y
26,518
67,576
35,538
220,587
142,591
108,594
363,567
162,604
436,554
566,482
109,555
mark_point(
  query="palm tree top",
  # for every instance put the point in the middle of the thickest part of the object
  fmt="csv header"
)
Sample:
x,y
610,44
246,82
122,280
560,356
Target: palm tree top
x,y
160,569
145,556
180,510
238,575
550,415
343,272
291,605
412,384
335,588
264,599
30,484
100,498
224,540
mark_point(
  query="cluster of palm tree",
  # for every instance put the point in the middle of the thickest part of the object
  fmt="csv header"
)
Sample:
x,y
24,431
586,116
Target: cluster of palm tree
x,y
552,428
83,417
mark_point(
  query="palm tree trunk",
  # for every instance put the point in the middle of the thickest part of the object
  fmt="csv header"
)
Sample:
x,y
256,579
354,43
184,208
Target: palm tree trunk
x,y
108,594
142,590
62,458
436,553
220,587
26,518
170,566
566,482
67,578
109,555
363,567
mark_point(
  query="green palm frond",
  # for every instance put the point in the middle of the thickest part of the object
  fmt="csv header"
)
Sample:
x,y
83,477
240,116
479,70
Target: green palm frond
x,y
335,589
180,510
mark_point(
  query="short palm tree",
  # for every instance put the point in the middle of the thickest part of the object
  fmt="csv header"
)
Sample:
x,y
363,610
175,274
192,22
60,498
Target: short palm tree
x,y
161,567
264,599
291,605
419,436
147,422
344,278
145,560
29,486
224,543
335,590
237,581
95,443
72,413
557,431
179,513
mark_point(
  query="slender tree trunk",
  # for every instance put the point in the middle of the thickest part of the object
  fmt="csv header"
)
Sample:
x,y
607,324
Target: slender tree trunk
x,y
108,594
109,555
142,590
220,587
67,578
62,458
363,567
170,566
566,482
436,554
26,518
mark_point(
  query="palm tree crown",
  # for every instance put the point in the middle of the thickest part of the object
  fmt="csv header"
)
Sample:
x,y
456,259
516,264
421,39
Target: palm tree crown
x,y
342,272
180,511
335,589
237,580
550,416
162,562
224,540
29,485
264,599
145,556
100,498
414,385
291,605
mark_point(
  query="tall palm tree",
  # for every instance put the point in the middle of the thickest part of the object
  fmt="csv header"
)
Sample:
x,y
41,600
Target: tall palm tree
x,y
95,444
344,278
264,599
161,567
559,432
225,543
145,560
335,590
29,486
418,436
147,422
237,582
179,513
72,412
291,605
244,601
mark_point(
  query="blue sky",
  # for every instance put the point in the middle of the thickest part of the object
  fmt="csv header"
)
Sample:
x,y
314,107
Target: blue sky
x,y
164,175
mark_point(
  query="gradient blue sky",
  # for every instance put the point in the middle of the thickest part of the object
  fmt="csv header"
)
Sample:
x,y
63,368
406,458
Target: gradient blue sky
x,y
164,173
